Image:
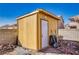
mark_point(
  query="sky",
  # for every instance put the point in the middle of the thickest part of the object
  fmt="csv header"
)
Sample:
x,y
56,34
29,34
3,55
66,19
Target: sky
x,y
10,11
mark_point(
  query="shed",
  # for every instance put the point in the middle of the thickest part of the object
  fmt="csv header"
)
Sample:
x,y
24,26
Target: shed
x,y
35,28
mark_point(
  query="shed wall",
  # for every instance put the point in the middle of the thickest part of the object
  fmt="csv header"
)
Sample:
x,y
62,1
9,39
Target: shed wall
x,y
52,26
28,31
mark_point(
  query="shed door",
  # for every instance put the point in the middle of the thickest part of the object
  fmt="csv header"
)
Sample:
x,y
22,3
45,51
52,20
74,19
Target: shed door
x,y
44,33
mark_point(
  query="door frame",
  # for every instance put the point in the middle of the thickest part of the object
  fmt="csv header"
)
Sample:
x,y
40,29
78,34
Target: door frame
x,y
41,31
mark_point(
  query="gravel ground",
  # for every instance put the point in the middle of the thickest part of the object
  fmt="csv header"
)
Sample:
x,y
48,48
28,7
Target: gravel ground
x,y
6,48
68,47
65,47
20,51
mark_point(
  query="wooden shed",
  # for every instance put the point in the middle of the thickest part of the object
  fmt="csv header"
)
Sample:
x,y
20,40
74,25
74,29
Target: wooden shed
x,y
35,28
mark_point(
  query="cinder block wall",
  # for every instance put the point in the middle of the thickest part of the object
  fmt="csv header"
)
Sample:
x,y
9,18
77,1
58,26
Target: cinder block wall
x,y
8,36
69,34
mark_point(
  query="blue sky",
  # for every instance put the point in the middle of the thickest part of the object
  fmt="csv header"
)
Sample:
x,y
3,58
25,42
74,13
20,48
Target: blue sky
x,y
9,11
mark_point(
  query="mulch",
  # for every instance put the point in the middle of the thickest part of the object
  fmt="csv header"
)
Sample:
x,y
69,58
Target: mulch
x,y
64,47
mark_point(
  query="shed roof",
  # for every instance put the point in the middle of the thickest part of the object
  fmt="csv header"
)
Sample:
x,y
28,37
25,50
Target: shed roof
x,y
39,10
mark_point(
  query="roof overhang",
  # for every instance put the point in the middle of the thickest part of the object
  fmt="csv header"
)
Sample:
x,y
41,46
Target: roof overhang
x,y
39,10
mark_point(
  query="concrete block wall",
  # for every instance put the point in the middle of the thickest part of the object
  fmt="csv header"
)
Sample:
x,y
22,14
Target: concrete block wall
x,y
8,36
69,34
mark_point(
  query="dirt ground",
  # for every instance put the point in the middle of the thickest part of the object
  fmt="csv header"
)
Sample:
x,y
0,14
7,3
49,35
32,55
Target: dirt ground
x,y
20,51
65,47
6,48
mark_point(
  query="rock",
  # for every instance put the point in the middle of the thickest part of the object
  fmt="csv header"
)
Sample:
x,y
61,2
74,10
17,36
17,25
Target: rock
x,y
21,51
76,52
